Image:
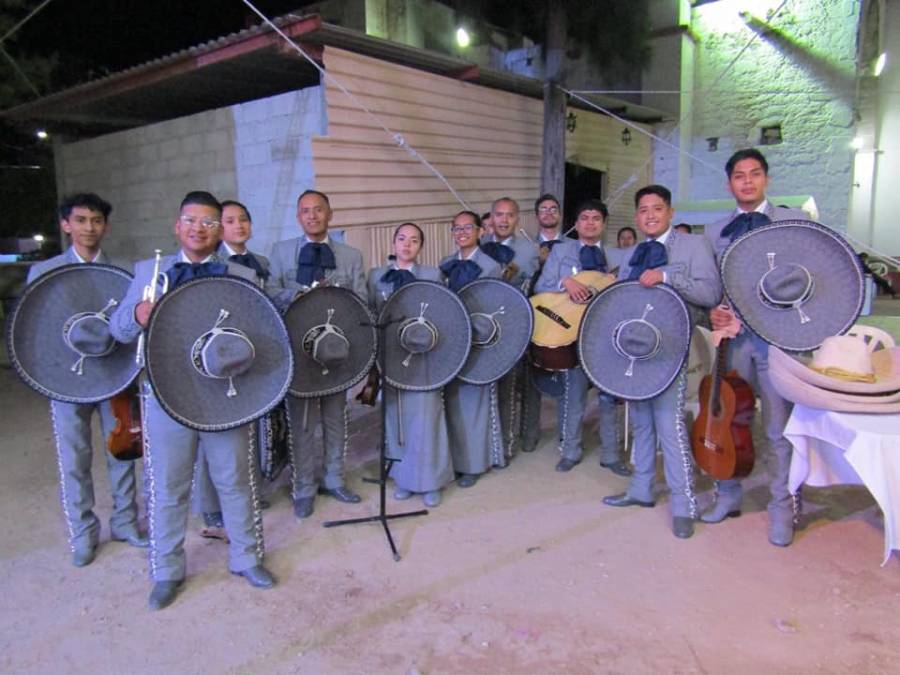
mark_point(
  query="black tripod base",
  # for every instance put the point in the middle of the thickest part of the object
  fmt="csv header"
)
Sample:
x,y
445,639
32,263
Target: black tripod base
x,y
381,518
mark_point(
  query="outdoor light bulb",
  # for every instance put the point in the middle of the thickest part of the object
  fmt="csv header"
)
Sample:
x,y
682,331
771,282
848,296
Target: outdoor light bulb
x,y
857,143
462,37
40,133
39,238
880,63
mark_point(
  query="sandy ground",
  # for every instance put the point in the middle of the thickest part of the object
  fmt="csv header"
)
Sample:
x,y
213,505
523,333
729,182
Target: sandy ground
x,y
525,572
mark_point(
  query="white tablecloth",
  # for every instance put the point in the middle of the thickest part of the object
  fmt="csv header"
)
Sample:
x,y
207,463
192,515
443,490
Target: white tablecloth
x,y
832,448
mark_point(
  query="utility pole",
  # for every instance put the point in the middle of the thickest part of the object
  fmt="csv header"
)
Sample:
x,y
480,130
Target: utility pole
x,y
553,160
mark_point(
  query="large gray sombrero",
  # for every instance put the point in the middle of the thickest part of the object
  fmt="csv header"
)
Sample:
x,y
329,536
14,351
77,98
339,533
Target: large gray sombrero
x,y
634,340
502,323
217,353
58,336
793,283
333,339
427,336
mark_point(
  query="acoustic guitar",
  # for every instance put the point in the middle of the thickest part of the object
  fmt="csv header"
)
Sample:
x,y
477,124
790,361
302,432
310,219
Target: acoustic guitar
x,y
721,438
125,441
556,322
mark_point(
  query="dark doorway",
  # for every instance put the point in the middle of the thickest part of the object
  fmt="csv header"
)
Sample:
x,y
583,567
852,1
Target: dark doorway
x,y
581,183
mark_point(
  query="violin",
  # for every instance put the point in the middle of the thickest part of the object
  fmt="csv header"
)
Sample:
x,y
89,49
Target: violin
x,y
721,438
125,441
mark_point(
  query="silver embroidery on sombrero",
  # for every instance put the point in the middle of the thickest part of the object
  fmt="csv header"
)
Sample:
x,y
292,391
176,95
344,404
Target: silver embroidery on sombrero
x,y
623,350
199,350
72,321
317,332
787,303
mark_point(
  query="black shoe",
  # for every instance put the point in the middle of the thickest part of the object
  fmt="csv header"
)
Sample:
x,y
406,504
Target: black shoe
x,y
214,519
467,480
619,468
163,594
682,527
566,464
528,446
131,537
303,507
257,576
83,556
342,494
624,500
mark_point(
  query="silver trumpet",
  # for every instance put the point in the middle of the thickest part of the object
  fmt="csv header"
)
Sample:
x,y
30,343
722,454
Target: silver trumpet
x,y
150,295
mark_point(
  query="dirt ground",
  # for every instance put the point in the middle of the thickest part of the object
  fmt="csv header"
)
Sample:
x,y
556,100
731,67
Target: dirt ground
x,y
525,572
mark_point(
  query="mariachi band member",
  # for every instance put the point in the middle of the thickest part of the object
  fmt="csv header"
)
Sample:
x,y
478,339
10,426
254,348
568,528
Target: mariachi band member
x,y
297,266
85,218
747,173
425,466
565,260
170,447
473,416
519,262
237,229
687,263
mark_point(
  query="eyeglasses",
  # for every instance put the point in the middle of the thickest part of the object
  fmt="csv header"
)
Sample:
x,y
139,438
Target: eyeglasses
x,y
457,229
548,209
205,223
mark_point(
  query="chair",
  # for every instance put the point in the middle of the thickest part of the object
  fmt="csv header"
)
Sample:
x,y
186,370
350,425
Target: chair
x,y
875,338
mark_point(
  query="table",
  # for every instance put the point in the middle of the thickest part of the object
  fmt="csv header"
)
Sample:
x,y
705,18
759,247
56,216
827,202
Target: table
x,y
833,448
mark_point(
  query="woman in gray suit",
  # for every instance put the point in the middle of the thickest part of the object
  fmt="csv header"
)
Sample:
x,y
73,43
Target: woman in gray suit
x,y
414,417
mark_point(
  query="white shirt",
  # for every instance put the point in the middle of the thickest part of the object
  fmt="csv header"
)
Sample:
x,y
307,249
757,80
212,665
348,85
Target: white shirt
x,y
187,260
662,239
230,251
541,237
82,260
764,204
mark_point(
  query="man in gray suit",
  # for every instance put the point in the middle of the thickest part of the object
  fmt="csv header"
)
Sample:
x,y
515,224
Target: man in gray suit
x,y
687,263
748,177
237,229
170,447
85,218
298,265
567,259
520,271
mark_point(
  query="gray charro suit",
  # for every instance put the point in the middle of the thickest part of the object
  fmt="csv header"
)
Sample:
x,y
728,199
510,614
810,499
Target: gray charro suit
x,y
171,451
749,355
512,386
204,495
563,262
306,461
691,270
74,454
473,425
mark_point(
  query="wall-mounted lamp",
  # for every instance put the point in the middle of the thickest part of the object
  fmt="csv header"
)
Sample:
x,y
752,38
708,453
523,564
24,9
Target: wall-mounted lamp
x,y
463,39
712,143
626,136
571,122
880,63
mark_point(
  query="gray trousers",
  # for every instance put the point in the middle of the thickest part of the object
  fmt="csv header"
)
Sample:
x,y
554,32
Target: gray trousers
x,y
74,455
662,418
531,409
510,391
170,450
205,499
749,355
312,463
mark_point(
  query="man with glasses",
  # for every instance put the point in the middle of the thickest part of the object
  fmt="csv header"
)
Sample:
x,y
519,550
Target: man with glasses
x,y
298,265
171,448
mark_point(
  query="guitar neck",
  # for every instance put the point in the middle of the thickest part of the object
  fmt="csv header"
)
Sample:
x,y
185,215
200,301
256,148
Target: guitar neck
x,y
719,373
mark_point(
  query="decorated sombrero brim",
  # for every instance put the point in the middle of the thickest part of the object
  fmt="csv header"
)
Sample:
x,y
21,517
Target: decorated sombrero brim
x,y
793,283
417,309
502,323
58,334
633,340
197,334
333,339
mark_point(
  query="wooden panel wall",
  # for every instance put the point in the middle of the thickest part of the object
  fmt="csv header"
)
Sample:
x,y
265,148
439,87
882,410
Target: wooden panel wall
x,y
487,143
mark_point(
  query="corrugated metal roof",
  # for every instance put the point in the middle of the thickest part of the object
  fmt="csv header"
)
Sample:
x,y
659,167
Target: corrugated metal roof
x,y
250,64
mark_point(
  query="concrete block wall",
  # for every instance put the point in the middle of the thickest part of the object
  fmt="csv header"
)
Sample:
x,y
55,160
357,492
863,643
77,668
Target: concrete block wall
x,y
798,72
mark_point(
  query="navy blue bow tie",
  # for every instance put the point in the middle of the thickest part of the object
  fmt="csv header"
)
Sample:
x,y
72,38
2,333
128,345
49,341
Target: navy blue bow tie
x,y
397,278
249,260
314,260
460,272
182,272
744,223
592,258
500,252
647,256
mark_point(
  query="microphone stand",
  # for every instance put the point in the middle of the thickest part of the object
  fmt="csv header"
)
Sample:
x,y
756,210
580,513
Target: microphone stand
x,y
385,465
